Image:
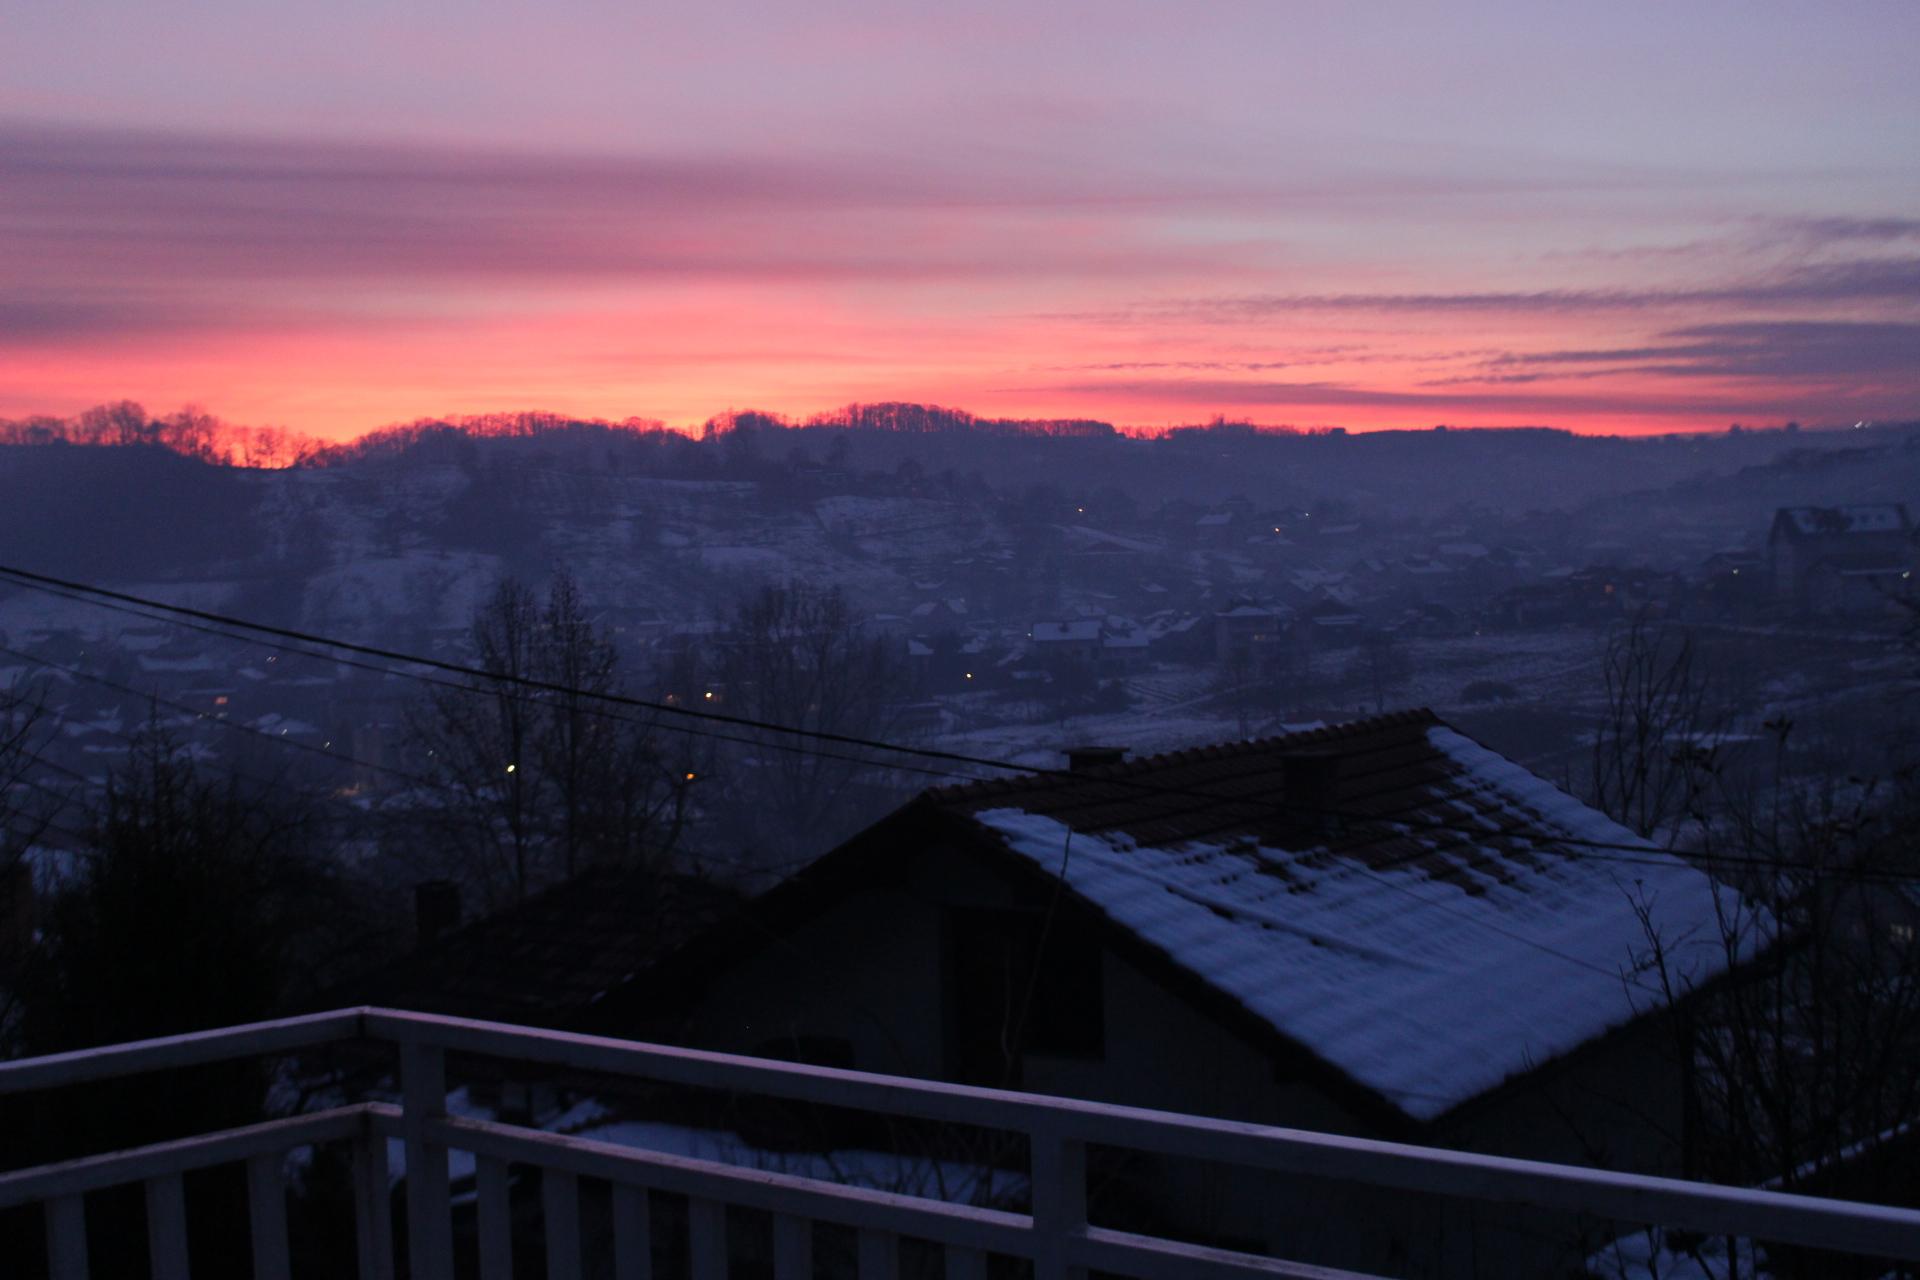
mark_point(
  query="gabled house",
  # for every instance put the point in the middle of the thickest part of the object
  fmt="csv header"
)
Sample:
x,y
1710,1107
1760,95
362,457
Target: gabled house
x,y
1840,560
1380,928
1070,645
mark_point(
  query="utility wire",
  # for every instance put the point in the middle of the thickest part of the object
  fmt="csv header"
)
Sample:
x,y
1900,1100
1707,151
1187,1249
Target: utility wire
x,y
504,688
128,603
212,623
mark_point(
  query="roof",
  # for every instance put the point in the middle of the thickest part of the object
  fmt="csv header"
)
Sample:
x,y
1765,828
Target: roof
x,y
555,953
1885,517
1860,564
1449,936
1082,629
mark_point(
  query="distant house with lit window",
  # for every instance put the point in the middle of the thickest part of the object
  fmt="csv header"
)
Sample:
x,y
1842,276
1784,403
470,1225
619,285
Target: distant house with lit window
x,y
1381,928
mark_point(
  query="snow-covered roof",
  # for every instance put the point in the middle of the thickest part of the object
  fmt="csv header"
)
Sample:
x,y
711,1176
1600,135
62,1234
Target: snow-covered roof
x,y
1451,942
1884,517
1080,629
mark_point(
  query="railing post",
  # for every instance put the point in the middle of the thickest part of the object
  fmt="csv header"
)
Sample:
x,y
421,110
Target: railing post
x,y
67,1238
372,1206
560,1196
792,1247
1059,1171
167,1227
632,1234
707,1239
267,1216
423,1086
877,1255
493,1214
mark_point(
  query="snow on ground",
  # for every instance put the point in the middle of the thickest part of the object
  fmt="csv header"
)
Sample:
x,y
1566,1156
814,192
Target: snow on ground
x,y
956,1181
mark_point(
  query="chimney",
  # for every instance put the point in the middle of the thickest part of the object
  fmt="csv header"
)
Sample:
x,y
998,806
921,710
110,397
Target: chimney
x,y
1083,759
436,910
1310,792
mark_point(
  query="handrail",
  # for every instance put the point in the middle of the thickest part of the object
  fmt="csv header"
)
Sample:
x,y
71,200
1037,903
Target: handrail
x,y
1054,1124
195,1048
182,1155
1811,1221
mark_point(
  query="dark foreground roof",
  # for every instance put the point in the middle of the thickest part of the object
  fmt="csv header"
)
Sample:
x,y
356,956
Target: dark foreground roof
x,y
547,959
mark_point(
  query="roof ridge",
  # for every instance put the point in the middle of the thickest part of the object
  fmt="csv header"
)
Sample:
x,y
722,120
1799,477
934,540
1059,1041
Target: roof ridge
x,y
961,791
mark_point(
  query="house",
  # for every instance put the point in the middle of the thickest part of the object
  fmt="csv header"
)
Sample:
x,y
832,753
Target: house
x,y
1069,645
1380,929
1840,560
1258,640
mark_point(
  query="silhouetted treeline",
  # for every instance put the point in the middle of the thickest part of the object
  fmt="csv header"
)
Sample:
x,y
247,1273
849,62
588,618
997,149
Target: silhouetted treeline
x,y
190,432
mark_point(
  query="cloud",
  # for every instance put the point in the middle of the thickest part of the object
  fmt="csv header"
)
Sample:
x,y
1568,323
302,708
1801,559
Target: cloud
x,y
1782,350
1875,280
1783,399
118,210
1843,230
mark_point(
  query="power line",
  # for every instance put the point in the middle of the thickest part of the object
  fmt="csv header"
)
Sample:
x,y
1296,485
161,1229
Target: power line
x,y
522,681
516,694
112,599
212,623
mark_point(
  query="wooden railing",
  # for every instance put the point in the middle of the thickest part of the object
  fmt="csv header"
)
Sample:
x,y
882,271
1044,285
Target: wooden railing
x,y
1055,1235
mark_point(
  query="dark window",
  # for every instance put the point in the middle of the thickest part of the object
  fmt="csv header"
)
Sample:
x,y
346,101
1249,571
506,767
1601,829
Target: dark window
x,y
1017,985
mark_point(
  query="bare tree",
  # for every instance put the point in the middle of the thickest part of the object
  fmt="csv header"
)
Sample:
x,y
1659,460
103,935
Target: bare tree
x,y
1381,663
1802,1072
538,782
797,656
27,812
1654,740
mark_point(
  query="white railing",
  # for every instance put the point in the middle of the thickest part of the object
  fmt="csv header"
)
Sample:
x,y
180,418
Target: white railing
x,y
1055,1236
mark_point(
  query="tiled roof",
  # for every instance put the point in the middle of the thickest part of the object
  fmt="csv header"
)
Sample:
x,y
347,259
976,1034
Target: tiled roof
x,y
1448,931
1387,766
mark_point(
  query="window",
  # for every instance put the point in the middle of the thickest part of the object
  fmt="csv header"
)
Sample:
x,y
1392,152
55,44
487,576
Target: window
x,y
1017,986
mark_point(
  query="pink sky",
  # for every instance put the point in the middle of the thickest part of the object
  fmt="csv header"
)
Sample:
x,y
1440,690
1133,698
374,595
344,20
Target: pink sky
x,y
1635,218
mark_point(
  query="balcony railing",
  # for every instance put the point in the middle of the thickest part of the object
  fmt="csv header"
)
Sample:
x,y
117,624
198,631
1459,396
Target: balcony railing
x,y
1055,1236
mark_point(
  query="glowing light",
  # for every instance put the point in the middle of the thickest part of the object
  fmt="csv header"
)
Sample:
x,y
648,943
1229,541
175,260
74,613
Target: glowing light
x,y
709,695
512,767
690,777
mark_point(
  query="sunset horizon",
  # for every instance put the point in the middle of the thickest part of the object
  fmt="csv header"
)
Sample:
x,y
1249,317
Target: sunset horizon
x,y
1676,223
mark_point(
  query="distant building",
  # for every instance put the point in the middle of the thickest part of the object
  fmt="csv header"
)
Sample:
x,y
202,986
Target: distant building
x,y
1254,638
1845,561
1072,644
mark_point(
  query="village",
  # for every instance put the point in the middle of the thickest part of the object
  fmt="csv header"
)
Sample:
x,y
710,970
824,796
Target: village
x,y
1319,795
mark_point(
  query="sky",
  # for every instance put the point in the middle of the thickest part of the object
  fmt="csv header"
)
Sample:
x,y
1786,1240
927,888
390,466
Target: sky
x,y
1630,217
